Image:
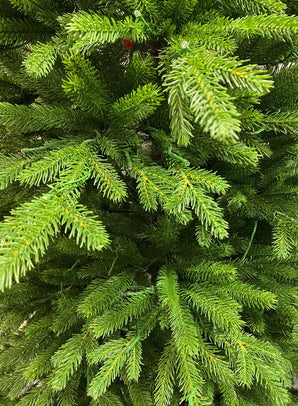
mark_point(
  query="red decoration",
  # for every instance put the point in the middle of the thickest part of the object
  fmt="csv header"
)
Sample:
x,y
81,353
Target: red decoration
x,y
127,44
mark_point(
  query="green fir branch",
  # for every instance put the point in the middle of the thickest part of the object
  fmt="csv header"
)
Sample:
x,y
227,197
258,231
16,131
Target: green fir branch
x,y
120,314
11,167
49,166
106,179
25,237
86,30
14,32
164,382
84,86
67,360
208,101
191,189
135,107
24,119
215,304
41,60
101,295
180,318
279,27
255,6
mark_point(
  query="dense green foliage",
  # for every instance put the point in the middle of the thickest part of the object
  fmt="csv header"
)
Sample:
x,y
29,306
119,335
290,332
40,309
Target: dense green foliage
x,y
148,168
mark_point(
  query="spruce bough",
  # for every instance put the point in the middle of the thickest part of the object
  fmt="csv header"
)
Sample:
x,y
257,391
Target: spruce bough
x,y
148,243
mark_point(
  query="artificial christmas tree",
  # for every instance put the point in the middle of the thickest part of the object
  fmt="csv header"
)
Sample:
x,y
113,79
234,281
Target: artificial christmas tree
x,y
148,169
